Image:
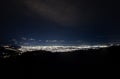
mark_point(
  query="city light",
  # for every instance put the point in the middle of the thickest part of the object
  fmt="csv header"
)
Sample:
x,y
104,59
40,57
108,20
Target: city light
x,y
60,48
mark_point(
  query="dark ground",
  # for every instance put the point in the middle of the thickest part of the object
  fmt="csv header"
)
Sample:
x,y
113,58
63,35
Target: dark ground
x,y
31,64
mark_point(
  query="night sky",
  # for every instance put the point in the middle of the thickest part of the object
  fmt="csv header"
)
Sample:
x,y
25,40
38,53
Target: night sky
x,y
91,20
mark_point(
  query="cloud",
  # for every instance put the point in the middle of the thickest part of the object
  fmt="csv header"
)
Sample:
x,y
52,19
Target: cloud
x,y
59,11
67,12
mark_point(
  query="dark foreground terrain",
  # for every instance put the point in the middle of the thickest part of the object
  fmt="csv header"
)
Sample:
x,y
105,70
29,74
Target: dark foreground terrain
x,y
108,55
32,63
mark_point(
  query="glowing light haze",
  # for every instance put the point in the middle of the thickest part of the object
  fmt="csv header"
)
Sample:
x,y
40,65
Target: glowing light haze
x,y
60,48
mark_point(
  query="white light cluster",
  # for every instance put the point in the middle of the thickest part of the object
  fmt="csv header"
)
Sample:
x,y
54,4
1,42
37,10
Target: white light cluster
x,y
60,48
